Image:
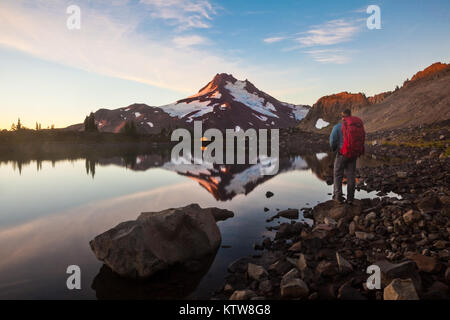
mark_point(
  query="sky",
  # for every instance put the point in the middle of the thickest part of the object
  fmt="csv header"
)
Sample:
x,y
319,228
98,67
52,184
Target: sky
x,y
159,51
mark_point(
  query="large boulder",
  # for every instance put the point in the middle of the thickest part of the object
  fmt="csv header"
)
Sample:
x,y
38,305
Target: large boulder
x,y
157,240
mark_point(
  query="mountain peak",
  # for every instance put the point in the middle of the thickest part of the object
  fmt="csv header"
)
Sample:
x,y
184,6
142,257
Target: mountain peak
x,y
221,78
219,81
430,70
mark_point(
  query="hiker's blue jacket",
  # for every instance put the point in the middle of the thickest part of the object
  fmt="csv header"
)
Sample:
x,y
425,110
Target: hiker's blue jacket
x,y
336,138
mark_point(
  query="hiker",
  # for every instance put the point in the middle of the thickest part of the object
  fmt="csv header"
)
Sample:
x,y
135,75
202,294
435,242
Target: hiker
x,y
347,140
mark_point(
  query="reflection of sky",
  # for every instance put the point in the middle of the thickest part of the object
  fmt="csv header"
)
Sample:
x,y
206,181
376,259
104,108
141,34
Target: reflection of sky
x,y
48,224
67,186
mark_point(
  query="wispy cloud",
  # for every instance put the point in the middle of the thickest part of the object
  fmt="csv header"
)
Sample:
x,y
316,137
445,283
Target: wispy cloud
x,y
186,14
336,56
109,45
320,38
274,39
189,41
330,33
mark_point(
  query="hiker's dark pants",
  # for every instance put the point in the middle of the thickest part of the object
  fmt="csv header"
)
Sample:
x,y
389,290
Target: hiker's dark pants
x,y
348,165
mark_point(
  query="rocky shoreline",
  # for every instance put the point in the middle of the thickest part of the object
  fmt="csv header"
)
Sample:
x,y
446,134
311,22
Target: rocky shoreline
x,y
406,237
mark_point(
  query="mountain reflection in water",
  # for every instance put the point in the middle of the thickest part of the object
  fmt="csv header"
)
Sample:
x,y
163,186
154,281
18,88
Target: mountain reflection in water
x,y
222,181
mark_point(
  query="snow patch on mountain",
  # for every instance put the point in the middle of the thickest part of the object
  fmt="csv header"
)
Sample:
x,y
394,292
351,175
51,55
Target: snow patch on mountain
x,y
299,111
182,109
256,103
262,118
320,124
321,155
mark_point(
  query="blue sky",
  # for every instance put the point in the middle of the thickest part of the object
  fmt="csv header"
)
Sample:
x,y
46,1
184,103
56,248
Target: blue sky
x,y
159,51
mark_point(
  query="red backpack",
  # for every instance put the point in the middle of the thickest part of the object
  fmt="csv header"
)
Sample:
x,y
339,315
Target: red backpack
x,y
354,137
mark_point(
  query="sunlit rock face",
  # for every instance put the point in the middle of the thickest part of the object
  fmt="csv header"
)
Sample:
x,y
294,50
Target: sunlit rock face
x,y
327,110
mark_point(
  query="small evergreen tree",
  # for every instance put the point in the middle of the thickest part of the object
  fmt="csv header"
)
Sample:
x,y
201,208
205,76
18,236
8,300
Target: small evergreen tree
x,y
89,123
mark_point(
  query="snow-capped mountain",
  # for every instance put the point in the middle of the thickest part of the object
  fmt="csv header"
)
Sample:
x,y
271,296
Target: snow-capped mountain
x,y
224,103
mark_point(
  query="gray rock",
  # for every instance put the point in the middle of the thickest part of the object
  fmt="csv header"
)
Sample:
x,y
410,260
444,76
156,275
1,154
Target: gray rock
x,y
352,228
302,264
402,270
256,272
329,221
326,268
291,274
265,287
336,211
243,295
343,265
296,247
292,286
371,216
157,240
240,265
280,267
400,289
220,214
289,214
411,216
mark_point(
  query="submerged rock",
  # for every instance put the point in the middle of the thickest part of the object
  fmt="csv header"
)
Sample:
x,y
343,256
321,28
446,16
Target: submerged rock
x,y
269,194
157,240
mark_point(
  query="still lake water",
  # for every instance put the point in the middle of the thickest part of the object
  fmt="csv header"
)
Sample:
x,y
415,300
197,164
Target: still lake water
x,y
49,211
